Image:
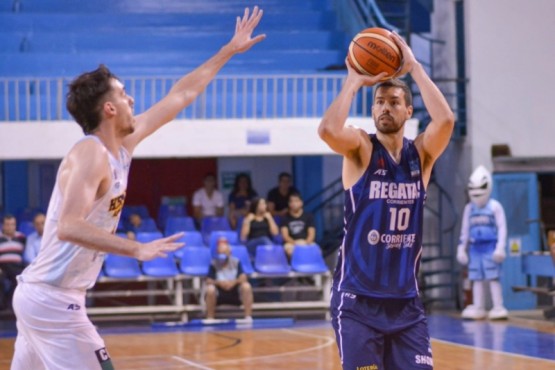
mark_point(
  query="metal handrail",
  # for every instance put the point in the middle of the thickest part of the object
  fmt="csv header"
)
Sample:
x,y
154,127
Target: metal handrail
x,y
227,97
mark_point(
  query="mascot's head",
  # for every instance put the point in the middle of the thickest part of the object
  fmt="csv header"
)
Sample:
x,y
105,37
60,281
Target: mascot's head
x,y
479,186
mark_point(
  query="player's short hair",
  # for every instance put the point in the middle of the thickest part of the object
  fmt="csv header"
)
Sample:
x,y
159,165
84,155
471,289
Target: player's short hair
x,y
395,82
86,95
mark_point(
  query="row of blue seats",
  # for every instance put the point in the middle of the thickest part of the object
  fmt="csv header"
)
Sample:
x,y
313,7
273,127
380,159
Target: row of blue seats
x,y
195,261
83,41
149,6
208,235
164,64
177,23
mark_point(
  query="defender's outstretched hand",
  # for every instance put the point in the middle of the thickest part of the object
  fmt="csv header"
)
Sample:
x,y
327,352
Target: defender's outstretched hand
x,y
159,248
243,40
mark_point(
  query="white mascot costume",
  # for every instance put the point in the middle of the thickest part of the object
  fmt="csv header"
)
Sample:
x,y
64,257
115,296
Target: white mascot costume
x,y
484,232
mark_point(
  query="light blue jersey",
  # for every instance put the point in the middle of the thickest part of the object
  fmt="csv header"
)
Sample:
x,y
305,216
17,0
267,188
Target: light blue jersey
x,y
382,246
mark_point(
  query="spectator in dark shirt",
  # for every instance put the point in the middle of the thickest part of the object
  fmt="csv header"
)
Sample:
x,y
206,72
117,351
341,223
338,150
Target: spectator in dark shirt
x,y
297,226
12,245
227,283
258,227
240,198
279,196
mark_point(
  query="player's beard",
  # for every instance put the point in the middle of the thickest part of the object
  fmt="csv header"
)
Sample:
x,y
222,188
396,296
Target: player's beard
x,y
392,127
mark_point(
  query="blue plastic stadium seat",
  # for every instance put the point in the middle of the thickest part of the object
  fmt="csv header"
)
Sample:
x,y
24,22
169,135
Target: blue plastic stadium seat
x,y
191,239
210,224
241,252
271,259
308,259
170,210
148,236
214,223
148,225
230,235
195,261
161,267
176,224
122,267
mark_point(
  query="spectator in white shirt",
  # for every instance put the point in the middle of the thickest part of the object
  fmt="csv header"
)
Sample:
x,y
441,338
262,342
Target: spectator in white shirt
x,y
32,246
208,200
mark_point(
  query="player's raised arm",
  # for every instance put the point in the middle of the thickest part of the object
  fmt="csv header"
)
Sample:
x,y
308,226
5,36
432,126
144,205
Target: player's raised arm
x,y
186,90
433,141
343,139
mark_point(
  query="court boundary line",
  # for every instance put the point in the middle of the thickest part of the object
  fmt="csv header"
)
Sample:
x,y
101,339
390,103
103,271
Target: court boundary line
x,y
192,363
329,341
172,357
493,350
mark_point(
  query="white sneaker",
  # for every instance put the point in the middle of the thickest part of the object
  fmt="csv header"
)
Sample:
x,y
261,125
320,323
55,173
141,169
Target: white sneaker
x,y
246,320
211,321
472,312
498,313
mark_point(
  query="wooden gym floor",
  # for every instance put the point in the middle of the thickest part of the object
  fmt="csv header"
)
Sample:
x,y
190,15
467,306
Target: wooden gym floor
x,y
310,345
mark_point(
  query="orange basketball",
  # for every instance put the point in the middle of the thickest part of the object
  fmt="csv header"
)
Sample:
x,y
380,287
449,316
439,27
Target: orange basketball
x,y
373,51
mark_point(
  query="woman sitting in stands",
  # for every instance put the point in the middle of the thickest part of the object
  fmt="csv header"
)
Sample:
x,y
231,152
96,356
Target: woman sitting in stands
x,y
258,227
240,199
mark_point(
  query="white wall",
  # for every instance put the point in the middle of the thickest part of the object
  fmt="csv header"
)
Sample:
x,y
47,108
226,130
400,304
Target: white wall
x,y
206,138
510,58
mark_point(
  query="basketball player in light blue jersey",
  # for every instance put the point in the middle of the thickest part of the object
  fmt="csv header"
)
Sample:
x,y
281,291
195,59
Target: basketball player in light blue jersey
x,y
377,315
54,331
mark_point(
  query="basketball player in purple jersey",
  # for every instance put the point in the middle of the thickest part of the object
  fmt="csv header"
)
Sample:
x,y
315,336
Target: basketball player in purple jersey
x,y
54,331
377,315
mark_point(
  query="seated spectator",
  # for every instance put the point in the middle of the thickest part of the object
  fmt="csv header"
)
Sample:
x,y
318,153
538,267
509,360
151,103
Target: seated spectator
x,y
240,198
227,283
297,226
208,200
32,246
258,227
12,245
135,223
278,197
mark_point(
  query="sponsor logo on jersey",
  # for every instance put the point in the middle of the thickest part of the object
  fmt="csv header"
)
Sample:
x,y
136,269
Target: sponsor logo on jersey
x,y
74,307
380,172
397,193
116,205
414,168
423,360
392,241
368,367
373,237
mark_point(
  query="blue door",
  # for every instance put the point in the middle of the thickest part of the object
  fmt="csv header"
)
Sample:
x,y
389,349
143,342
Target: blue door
x,y
518,193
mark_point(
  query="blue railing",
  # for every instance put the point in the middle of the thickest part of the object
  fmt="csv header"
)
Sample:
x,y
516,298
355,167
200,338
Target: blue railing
x,y
228,96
